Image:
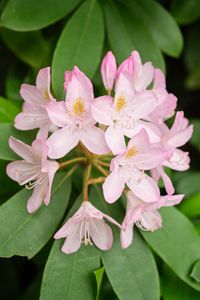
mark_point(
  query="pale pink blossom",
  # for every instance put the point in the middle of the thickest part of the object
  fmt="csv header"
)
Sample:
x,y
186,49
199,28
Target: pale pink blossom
x,y
108,70
125,115
34,171
167,102
74,116
144,215
171,139
86,226
126,169
34,114
141,74
67,79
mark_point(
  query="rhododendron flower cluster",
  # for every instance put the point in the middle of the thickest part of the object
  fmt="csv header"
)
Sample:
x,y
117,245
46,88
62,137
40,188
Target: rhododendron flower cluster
x,y
123,135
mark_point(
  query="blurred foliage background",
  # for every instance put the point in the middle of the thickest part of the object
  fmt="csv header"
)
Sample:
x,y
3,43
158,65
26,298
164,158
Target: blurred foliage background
x,y
62,33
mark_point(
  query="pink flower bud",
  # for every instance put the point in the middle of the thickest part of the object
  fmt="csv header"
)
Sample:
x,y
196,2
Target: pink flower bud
x,y
108,70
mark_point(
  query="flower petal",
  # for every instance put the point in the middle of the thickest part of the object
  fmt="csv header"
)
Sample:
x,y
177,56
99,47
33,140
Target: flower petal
x,y
93,138
115,140
37,197
102,110
101,234
57,113
52,168
31,94
61,142
72,243
113,187
126,236
22,149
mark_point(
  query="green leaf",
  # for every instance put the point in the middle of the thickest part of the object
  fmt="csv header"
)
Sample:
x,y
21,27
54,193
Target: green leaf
x,y
8,130
99,278
76,278
195,274
188,184
26,15
177,243
80,44
161,25
130,271
127,32
30,47
191,206
185,11
8,110
175,289
24,234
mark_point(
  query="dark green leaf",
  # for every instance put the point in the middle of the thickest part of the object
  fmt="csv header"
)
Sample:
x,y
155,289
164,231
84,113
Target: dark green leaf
x,y
188,184
186,11
177,243
175,289
80,44
161,24
195,274
24,234
127,32
8,130
30,47
8,110
99,278
26,15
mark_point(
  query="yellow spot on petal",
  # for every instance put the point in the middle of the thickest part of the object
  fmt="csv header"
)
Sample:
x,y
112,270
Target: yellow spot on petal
x,y
46,95
78,106
131,152
121,101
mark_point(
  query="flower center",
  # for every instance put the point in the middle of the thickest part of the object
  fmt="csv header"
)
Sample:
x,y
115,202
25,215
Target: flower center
x,y
78,106
86,238
131,152
121,101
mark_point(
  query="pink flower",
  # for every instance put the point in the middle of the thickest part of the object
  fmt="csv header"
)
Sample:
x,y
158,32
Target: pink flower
x,y
171,139
67,79
144,215
74,116
108,70
123,116
86,226
141,75
34,114
34,171
166,102
126,168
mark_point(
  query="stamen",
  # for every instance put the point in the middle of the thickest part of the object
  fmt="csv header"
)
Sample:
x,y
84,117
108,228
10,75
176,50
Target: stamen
x,y
86,238
78,106
121,101
46,95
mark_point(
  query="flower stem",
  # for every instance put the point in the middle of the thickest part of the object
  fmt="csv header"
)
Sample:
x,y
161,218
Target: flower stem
x,y
96,180
71,161
87,173
101,169
102,163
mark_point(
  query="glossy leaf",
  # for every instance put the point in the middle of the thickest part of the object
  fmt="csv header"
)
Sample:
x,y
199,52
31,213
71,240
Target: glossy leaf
x,y
161,25
191,206
26,15
8,130
80,44
175,289
30,47
186,11
130,271
127,32
177,243
188,184
24,234
8,110
195,274
99,278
